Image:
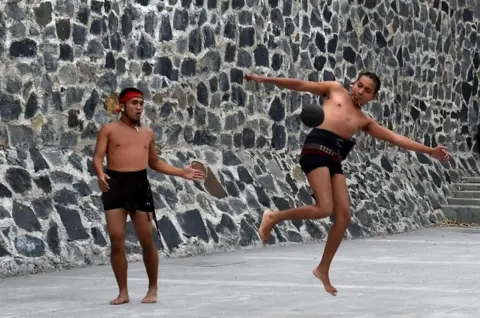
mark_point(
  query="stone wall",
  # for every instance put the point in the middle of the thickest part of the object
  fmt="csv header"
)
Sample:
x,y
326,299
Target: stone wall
x,y
61,59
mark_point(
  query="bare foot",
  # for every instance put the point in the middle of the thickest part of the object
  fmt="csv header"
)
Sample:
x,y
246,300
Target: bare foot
x,y
151,296
266,226
323,276
121,299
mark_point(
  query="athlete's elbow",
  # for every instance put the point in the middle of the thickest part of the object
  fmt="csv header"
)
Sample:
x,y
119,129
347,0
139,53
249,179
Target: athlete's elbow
x,y
97,163
98,157
153,163
157,165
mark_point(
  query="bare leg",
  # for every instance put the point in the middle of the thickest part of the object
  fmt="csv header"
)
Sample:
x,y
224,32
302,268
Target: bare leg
x,y
320,184
341,210
143,228
116,220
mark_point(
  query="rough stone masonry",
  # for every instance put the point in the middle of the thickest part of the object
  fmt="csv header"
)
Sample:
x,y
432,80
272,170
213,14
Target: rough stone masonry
x,y
61,59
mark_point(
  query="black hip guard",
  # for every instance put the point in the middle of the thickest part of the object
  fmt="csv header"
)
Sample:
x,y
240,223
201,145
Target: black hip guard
x,y
323,148
130,191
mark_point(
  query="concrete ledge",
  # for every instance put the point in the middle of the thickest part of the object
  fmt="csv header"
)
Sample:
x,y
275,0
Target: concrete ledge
x,y
467,186
471,179
462,213
466,194
464,201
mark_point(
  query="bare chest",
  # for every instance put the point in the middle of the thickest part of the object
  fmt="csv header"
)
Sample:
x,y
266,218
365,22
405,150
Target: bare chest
x,y
342,112
129,140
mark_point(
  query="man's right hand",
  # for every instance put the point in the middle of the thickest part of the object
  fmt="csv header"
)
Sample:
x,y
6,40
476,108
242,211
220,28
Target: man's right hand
x,y
103,182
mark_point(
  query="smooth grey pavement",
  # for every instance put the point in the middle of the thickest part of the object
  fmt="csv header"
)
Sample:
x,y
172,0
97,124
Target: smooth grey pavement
x,y
433,272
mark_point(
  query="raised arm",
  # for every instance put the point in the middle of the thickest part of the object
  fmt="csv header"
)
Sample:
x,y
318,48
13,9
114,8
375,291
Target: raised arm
x,y
377,131
318,88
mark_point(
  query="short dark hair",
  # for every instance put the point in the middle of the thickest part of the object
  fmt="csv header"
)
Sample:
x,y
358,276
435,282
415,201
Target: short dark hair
x,y
127,90
372,76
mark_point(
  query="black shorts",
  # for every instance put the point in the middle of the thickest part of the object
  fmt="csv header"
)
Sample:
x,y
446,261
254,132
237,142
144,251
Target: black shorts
x,y
128,190
323,148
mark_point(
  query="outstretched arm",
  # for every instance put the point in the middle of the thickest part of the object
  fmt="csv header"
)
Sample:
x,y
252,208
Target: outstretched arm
x,y
161,166
374,129
318,88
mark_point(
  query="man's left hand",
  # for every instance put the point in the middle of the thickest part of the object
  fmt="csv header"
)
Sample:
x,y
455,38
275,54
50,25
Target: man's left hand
x,y
193,174
440,153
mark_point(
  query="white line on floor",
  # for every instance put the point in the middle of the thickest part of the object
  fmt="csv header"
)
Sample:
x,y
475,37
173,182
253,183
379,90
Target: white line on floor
x,y
366,260
315,285
424,242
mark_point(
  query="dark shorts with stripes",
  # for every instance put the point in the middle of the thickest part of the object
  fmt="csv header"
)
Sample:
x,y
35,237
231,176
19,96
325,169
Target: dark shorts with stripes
x,y
323,148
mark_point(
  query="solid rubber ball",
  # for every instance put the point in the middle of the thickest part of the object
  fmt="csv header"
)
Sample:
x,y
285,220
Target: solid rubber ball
x,y
312,115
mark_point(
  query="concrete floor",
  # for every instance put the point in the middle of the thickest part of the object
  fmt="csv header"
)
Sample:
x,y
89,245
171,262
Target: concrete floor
x,y
429,273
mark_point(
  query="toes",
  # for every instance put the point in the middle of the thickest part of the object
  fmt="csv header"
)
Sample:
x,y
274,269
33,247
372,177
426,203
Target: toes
x,y
149,301
119,301
332,291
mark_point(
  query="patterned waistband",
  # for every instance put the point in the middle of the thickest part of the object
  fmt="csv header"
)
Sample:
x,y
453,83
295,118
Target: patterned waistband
x,y
321,148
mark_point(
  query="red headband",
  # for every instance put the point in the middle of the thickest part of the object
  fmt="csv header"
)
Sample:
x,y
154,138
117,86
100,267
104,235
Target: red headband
x,y
128,96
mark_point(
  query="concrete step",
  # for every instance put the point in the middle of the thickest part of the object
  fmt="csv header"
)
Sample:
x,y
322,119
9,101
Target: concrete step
x,y
466,194
466,186
464,201
462,213
470,179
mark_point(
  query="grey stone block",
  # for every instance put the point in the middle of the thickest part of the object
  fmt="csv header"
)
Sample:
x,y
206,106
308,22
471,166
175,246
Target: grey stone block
x,y
462,213
466,194
464,201
467,186
471,179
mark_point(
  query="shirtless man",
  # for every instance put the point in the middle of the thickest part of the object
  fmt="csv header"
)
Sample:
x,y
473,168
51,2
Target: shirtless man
x,y
129,148
325,147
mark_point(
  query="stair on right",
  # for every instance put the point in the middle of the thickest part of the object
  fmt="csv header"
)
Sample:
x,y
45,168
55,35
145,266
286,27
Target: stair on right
x,y
464,205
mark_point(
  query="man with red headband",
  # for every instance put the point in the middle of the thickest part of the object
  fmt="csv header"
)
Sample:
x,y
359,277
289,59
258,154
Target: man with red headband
x,y
129,148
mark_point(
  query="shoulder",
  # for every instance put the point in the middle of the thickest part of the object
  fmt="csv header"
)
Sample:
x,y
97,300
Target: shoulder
x,y
338,85
336,88
367,121
148,130
326,88
105,129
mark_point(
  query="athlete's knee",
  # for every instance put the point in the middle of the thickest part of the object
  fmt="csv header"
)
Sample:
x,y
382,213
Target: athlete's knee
x,y
145,236
146,241
117,242
323,209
